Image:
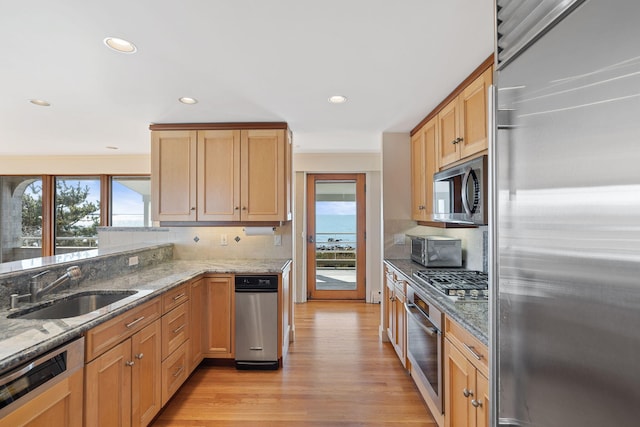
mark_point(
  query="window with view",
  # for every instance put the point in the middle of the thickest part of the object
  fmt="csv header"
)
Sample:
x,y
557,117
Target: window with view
x,y
21,217
77,213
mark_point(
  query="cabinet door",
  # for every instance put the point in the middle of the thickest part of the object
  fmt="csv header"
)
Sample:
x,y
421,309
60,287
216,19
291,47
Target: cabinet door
x,y
473,101
60,406
459,384
173,175
196,323
145,375
401,323
108,388
482,400
418,177
263,188
220,314
219,175
390,307
448,134
423,166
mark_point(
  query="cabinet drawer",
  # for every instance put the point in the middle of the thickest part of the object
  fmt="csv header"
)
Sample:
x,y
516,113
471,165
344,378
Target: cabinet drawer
x,y
470,346
104,336
174,371
175,329
175,297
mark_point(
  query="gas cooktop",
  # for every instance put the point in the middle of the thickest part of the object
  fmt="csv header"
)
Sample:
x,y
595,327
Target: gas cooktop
x,y
460,285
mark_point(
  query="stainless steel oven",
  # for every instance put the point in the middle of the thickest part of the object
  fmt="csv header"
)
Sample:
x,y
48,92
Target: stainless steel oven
x,y
424,344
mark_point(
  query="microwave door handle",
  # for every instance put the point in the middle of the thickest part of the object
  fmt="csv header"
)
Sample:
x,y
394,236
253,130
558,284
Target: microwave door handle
x,y
463,191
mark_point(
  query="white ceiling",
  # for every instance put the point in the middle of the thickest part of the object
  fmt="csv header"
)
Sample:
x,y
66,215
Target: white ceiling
x,y
244,60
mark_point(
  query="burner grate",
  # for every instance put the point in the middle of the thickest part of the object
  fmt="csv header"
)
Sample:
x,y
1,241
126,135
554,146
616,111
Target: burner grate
x,y
456,282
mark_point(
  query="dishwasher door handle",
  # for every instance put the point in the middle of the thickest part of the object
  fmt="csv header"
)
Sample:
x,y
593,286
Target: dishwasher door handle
x,y
256,348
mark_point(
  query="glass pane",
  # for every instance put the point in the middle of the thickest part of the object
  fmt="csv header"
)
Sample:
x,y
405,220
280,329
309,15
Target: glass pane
x,y
77,213
336,227
131,201
21,217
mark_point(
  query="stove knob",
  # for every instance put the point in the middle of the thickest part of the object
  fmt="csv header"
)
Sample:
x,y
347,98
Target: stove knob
x,y
461,293
474,294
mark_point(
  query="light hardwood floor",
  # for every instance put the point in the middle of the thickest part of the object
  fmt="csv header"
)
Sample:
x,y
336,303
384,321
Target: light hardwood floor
x,y
338,373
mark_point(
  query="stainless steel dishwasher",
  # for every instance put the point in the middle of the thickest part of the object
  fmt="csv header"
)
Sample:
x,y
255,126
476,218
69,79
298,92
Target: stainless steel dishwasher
x,y
256,322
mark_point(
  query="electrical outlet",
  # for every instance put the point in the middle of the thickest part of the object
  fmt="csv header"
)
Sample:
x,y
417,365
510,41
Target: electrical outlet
x,y
133,260
277,240
223,240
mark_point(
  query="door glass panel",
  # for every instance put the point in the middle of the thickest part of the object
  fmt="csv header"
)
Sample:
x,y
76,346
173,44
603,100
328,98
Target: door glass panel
x,y
336,228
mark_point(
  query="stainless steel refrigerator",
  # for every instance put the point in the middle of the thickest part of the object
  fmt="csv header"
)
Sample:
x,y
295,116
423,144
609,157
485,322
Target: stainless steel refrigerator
x,y
565,223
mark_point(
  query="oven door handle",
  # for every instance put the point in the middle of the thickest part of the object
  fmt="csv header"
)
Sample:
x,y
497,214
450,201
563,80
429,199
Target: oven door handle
x,y
431,331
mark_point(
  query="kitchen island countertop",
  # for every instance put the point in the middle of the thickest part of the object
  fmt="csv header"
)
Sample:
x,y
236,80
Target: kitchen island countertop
x,y
473,316
22,339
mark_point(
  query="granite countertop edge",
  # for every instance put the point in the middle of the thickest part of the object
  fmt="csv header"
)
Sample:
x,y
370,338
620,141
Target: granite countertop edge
x,y
473,316
21,340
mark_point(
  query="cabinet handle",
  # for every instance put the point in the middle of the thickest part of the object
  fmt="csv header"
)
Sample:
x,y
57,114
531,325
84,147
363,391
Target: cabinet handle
x,y
139,355
179,371
476,403
129,363
129,325
178,329
177,297
467,393
473,351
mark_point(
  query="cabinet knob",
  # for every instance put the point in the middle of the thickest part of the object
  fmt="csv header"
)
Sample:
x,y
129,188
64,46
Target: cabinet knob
x,y
244,208
454,142
193,208
467,393
476,403
236,208
139,355
129,363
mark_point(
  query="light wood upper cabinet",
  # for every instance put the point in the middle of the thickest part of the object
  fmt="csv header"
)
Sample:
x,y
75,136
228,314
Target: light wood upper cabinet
x,y
218,175
463,122
173,175
231,175
473,101
263,169
423,166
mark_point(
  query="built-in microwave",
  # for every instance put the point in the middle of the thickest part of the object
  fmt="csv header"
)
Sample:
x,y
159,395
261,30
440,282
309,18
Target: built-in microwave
x,y
460,193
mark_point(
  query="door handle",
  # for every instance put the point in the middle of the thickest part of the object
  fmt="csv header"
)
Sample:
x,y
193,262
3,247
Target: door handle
x,y
311,239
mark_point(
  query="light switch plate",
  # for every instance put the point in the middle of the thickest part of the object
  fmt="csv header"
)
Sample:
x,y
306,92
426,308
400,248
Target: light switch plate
x,y
398,239
277,240
133,260
223,240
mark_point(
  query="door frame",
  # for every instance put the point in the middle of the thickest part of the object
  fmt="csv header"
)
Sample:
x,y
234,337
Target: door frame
x,y
310,252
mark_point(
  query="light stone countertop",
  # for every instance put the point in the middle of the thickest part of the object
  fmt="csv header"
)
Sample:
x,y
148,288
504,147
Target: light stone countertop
x,y
473,316
22,339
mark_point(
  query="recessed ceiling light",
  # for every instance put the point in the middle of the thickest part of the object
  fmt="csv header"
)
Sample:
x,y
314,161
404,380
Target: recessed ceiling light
x,y
111,147
40,102
337,99
120,45
187,100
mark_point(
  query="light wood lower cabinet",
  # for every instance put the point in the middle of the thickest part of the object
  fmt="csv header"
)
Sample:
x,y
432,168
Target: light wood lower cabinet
x,y
196,322
395,297
60,406
122,385
220,314
466,386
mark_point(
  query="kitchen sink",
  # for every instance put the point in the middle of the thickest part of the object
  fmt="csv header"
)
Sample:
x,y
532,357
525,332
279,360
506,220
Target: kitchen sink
x,y
72,306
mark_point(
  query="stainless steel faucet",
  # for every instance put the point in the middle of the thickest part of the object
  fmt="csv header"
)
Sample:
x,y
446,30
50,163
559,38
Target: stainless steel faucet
x,y
35,289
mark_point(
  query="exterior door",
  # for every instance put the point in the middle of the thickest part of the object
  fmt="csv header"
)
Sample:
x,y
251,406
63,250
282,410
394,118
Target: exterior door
x,y
336,236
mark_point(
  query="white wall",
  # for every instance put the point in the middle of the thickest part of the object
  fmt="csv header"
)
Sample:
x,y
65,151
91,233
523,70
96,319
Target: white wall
x,y
367,163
